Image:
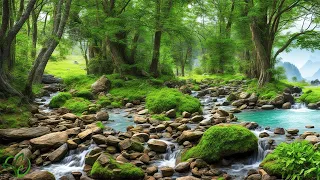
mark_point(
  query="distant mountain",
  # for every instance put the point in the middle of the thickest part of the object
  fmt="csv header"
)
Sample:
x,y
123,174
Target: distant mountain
x,y
310,68
316,75
291,71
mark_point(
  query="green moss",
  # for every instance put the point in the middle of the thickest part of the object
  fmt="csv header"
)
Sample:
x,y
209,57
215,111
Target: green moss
x,y
85,94
59,100
269,90
37,88
100,124
310,95
221,141
127,171
77,105
104,101
160,117
298,159
116,104
166,99
80,82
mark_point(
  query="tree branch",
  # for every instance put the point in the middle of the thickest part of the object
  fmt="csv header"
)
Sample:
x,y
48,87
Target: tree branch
x,y
124,7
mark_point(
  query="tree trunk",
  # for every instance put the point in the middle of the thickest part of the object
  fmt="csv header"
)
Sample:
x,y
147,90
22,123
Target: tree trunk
x,y
34,34
156,54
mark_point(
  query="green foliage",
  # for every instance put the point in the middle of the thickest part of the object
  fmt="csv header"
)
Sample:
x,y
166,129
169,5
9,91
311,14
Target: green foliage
x,y
100,124
59,100
166,99
310,95
269,90
279,73
104,101
297,160
116,104
127,171
221,141
85,94
37,88
160,117
80,82
77,105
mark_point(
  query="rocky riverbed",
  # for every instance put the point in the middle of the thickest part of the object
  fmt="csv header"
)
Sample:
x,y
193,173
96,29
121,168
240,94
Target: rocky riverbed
x,y
71,146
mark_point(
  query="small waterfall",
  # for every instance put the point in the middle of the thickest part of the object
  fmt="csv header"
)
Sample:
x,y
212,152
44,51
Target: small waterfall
x,y
74,161
299,106
170,157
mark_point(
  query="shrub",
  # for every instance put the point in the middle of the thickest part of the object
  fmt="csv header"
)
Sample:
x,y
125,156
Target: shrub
x,y
166,99
127,171
222,141
311,95
116,83
85,94
59,100
297,160
104,101
77,105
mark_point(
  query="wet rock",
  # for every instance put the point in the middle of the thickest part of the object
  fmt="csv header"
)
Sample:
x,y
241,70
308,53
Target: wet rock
x,y
143,112
188,178
144,136
288,98
87,119
278,101
263,135
309,126
189,135
182,127
50,79
244,95
69,116
72,144
145,158
99,139
167,171
198,163
293,131
139,120
59,153
111,149
39,175
23,133
129,144
280,131
186,114
267,107
112,140
313,139
50,140
92,156
222,113
157,145
103,84
160,127
253,98
171,113
312,106
286,105
102,116
129,105
197,118
232,97
182,167
254,177
151,170
239,102
18,161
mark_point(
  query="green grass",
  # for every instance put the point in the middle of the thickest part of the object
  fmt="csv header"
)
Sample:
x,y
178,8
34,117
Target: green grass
x,y
268,91
311,94
100,124
59,100
166,99
86,94
160,117
37,88
13,114
222,140
77,105
128,171
223,78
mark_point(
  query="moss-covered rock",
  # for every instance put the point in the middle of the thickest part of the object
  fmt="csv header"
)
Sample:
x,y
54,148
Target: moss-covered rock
x,y
221,141
166,99
86,94
59,100
77,105
108,168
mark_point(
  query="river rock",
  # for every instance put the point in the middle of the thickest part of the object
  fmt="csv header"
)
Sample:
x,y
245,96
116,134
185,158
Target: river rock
x,y
286,105
139,120
59,153
313,139
239,102
69,116
189,135
102,116
39,175
129,144
278,101
292,131
312,106
151,170
22,161
144,136
244,95
51,140
143,112
263,135
288,98
280,131
157,145
87,119
103,84
222,113
188,178
50,79
186,114
182,167
167,171
171,113
23,133
72,144
254,177
112,140
309,126
99,139
267,107
197,118
253,98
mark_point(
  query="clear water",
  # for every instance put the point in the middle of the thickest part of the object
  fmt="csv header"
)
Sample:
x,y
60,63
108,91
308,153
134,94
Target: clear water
x,y
292,118
118,121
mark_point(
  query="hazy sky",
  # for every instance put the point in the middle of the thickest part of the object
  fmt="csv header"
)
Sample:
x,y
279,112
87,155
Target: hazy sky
x,y
299,57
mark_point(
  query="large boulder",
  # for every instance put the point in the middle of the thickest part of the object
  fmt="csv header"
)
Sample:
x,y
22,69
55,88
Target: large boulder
x,y
39,175
239,102
221,141
103,84
106,167
59,153
50,79
102,116
51,140
23,133
278,101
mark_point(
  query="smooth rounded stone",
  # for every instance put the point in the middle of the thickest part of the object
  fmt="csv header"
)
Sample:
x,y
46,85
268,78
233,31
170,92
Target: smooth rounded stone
x,y
143,112
312,106
157,175
182,167
111,149
139,120
112,140
286,105
50,140
144,136
205,122
59,153
254,177
160,127
252,171
151,170
157,145
222,113
293,131
171,113
40,175
198,163
186,114
243,106
23,161
102,116
189,135
150,178
280,131
69,116
252,125
129,105
239,102
167,171
145,158
313,139
129,144
263,135
99,139
175,125
23,133
309,126
122,159
182,127
188,178
267,107
103,84
197,118
76,174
